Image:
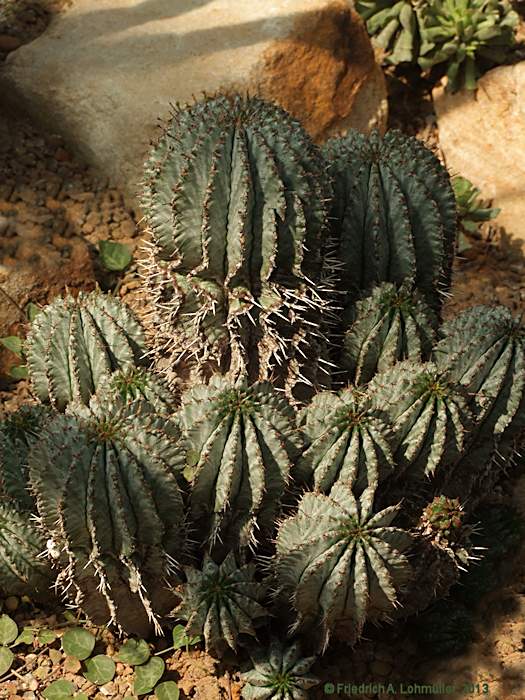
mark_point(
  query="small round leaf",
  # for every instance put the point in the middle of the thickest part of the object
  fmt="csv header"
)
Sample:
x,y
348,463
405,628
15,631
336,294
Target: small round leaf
x,y
114,256
32,311
100,669
146,676
8,630
6,659
13,343
78,642
46,636
168,690
134,652
59,690
26,636
19,372
180,638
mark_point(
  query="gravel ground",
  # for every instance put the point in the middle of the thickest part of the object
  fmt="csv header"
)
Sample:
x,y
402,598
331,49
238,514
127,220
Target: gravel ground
x,y
53,212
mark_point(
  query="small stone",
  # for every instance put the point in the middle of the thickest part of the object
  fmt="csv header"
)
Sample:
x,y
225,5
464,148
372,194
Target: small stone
x,y
126,229
28,231
56,656
380,669
62,155
12,603
27,195
41,672
71,664
52,204
9,43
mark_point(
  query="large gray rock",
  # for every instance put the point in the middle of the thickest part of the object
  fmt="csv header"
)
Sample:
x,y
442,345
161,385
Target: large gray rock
x,y
482,137
106,70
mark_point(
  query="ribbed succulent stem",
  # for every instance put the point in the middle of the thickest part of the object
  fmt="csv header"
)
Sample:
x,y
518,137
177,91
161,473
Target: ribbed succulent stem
x,y
394,214
241,442
74,345
235,197
105,480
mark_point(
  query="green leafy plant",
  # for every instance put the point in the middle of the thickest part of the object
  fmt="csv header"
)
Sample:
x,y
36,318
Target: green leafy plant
x,y
279,673
78,642
8,634
15,344
394,27
466,35
168,690
134,652
472,211
100,669
148,675
115,257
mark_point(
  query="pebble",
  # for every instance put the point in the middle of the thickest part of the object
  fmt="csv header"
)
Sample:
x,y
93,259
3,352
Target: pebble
x,y
381,669
56,656
12,603
4,223
62,155
9,43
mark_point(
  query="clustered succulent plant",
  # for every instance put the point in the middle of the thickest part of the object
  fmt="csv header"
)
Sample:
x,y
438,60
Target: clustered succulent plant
x,y
472,211
235,482
465,36
394,26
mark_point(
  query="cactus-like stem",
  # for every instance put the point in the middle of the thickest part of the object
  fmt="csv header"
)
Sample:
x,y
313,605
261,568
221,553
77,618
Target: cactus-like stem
x,y
235,197
23,570
391,324
279,673
18,433
221,602
76,343
241,442
339,563
394,214
348,441
105,480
